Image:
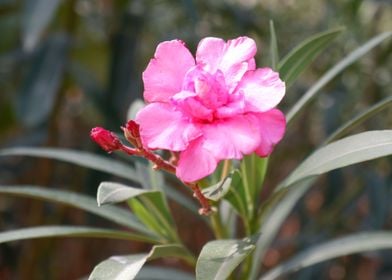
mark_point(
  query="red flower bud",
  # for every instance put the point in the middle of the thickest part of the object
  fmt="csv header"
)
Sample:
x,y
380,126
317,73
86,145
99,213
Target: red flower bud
x,y
106,139
132,134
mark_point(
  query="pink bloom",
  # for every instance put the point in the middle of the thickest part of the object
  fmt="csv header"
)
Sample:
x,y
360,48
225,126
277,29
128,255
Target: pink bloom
x,y
106,139
215,107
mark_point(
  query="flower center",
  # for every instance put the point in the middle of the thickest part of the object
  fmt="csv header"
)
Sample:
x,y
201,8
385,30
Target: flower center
x,y
210,89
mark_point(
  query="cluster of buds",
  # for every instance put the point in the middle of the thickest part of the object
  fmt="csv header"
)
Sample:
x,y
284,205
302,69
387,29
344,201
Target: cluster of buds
x,y
109,142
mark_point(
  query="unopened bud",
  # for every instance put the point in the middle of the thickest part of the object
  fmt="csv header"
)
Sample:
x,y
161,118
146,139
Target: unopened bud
x,y
132,134
106,139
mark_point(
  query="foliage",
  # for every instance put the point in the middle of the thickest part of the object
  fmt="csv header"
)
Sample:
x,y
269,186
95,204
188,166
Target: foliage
x,y
253,199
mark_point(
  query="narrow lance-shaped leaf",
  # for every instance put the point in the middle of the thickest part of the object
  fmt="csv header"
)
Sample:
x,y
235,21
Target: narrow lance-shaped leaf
x,y
355,243
96,162
127,267
333,72
77,157
292,65
111,213
69,231
150,272
274,51
350,150
148,205
154,179
366,146
219,258
376,108
217,191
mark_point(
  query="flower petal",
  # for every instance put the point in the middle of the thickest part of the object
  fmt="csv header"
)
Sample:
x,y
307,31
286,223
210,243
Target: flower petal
x,y
262,88
272,126
209,53
195,162
232,138
164,74
161,127
233,58
237,51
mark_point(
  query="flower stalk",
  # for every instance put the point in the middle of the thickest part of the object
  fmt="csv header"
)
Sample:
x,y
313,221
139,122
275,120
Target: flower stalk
x,y
110,142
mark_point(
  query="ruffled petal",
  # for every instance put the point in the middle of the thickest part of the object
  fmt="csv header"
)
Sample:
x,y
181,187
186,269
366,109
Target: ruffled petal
x,y
162,127
233,58
164,74
209,53
195,162
232,138
241,49
262,89
272,128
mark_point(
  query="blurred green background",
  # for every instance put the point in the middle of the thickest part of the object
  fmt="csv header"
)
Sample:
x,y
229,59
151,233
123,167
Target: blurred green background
x,y
67,66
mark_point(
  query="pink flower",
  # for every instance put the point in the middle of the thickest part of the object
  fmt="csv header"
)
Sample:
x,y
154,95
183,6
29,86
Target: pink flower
x,y
215,107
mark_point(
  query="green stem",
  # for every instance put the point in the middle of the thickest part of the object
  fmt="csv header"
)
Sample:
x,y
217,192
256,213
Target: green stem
x,y
217,226
216,222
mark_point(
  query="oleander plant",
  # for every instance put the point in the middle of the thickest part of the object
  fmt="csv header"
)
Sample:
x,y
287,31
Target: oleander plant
x,y
208,144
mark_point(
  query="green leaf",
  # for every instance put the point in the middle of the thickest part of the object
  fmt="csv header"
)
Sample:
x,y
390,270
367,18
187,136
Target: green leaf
x,y
77,157
363,146
217,191
274,52
237,195
155,180
109,192
219,258
37,16
111,213
333,72
385,103
150,272
149,206
69,231
127,267
292,65
98,163
350,150
253,170
351,244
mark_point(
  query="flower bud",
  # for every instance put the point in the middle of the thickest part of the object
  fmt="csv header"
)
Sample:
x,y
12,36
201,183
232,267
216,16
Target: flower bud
x,y
132,134
106,139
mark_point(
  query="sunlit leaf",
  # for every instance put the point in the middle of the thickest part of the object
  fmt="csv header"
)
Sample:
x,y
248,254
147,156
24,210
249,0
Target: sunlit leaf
x,y
219,258
333,72
109,192
127,267
293,64
355,243
350,150
69,231
220,189
148,205
149,272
